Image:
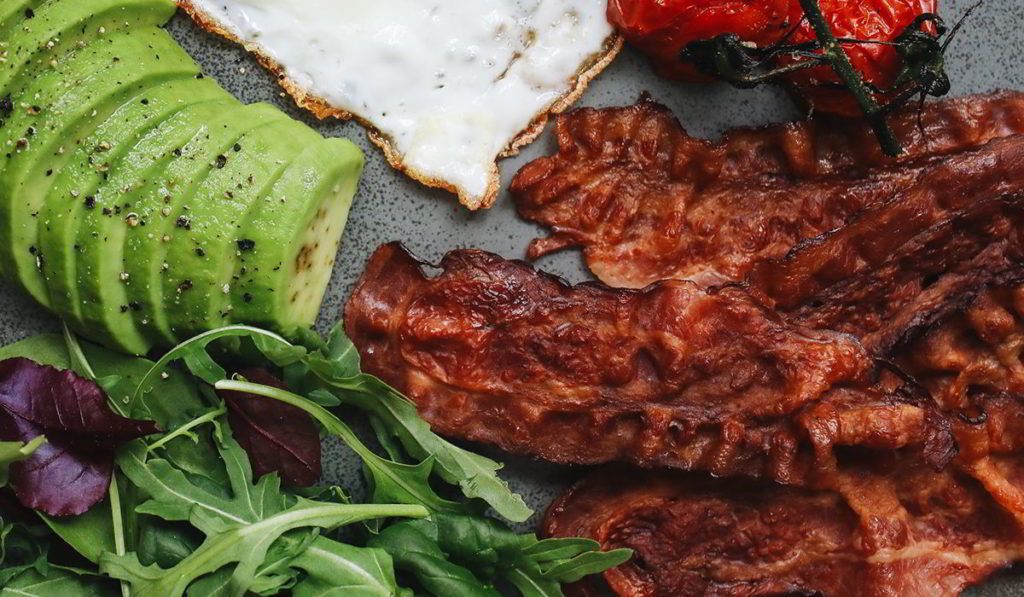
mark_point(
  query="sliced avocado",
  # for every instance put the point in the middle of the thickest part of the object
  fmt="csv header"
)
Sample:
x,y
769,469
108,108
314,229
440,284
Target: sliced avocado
x,y
81,189
202,255
72,102
62,26
162,205
13,14
288,243
99,265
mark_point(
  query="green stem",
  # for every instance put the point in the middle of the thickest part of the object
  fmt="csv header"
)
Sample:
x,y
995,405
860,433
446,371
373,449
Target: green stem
x,y
184,429
118,523
831,47
327,420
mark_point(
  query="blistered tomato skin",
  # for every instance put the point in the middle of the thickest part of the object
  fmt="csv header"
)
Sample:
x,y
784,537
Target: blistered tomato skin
x,y
662,28
876,20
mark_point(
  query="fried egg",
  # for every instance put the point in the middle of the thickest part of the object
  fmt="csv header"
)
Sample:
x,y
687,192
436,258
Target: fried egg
x,y
445,87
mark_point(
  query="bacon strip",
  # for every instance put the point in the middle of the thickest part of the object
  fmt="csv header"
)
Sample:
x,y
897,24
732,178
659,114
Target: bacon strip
x,y
648,202
886,526
898,270
891,528
493,351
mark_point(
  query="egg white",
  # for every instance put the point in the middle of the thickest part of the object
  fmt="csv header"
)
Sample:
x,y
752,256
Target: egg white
x,y
449,84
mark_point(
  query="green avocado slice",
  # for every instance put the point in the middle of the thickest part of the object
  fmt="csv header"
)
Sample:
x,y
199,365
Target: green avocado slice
x,y
62,26
289,242
162,203
202,254
72,102
99,265
110,149
14,13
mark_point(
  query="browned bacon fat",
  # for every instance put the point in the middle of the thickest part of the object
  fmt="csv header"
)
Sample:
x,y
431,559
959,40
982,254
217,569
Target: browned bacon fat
x,y
673,375
898,269
648,202
887,525
891,528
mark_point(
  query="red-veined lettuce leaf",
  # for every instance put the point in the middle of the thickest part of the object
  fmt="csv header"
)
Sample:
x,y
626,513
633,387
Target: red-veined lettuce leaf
x,y
278,437
71,471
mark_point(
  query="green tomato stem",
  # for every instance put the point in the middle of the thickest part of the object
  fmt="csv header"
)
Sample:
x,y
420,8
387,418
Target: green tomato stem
x,y
831,47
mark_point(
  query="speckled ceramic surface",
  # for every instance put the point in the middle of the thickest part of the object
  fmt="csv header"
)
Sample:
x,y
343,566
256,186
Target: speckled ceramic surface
x,y
987,55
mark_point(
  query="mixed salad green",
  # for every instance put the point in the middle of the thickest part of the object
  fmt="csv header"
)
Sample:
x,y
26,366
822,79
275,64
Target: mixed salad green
x,y
195,475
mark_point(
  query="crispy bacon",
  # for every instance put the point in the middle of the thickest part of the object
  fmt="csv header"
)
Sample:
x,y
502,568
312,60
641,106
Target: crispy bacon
x,y
891,273
674,375
977,351
890,528
648,202
886,526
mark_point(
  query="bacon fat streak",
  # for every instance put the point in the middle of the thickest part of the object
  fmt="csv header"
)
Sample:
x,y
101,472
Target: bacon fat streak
x,y
648,202
674,375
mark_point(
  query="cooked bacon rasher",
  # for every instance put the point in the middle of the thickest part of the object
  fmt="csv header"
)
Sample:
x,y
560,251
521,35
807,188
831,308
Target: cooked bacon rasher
x,y
648,202
888,525
673,375
891,528
898,269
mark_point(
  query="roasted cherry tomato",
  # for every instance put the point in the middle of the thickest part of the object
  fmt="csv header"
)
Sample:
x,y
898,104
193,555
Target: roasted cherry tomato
x,y
662,28
875,20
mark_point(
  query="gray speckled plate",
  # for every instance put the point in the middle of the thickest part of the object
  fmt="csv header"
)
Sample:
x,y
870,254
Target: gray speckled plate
x,y
986,55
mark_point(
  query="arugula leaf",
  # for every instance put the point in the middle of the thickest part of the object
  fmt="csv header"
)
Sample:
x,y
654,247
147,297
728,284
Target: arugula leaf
x,y
45,349
56,581
336,365
585,564
194,352
240,528
91,533
416,553
476,475
338,570
166,543
531,586
392,482
21,549
245,545
494,551
25,569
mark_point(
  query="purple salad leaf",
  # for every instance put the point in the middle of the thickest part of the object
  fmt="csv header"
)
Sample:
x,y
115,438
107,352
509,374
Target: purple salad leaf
x,y
278,437
70,472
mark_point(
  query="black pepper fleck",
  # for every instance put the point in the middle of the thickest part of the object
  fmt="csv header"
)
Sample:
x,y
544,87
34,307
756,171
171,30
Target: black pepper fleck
x,y
245,244
186,285
222,160
247,297
237,147
200,252
90,202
